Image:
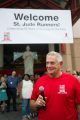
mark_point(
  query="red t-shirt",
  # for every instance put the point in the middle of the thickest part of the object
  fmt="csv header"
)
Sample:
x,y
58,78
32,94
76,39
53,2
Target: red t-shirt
x,y
63,94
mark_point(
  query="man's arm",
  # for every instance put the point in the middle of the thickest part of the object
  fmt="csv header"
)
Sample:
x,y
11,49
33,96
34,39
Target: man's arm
x,y
36,104
33,105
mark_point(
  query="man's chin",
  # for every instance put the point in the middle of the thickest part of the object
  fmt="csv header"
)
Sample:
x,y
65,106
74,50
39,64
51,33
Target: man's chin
x,y
51,73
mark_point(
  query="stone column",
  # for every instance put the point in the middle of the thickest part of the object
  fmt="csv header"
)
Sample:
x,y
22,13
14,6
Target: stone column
x,y
76,54
67,58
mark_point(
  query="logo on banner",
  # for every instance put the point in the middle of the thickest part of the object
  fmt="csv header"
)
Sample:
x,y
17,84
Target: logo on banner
x,y
6,36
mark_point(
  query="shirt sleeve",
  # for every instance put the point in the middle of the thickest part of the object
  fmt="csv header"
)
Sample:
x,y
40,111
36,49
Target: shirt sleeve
x,y
35,92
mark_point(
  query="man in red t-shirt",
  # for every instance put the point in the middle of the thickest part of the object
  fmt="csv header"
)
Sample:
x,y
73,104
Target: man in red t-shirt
x,y
61,91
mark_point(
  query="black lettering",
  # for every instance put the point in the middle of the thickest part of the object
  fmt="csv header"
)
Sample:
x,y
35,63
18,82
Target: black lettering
x,y
30,16
16,24
48,18
35,18
18,16
41,18
26,17
56,18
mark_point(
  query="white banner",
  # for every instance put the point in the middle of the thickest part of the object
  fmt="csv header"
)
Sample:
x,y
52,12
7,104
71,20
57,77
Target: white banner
x,y
22,26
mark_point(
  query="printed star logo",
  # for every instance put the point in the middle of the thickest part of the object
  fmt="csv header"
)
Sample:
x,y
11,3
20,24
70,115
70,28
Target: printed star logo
x,y
62,89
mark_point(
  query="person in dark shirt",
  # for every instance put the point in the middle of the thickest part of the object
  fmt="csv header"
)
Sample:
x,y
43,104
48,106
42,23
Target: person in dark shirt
x,y
12,83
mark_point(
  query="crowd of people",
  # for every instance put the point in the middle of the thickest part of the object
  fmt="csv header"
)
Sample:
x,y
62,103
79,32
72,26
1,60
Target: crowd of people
x,y
55,95
16,87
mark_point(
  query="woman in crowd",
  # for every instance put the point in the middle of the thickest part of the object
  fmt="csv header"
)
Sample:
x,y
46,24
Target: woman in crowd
x,y
3,94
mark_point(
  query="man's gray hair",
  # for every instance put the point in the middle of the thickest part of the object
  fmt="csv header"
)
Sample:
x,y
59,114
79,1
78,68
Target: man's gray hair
x,y
58,55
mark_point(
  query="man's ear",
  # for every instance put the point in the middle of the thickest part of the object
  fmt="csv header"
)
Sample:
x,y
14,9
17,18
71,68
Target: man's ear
x,y
61,63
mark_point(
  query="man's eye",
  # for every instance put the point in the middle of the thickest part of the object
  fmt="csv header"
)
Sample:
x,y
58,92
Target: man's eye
x,y
51,63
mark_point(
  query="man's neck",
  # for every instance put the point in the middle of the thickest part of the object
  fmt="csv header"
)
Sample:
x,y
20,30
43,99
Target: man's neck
x,y
56,75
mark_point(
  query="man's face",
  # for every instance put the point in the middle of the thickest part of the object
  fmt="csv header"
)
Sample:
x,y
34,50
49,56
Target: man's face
x,y
14,73
52,65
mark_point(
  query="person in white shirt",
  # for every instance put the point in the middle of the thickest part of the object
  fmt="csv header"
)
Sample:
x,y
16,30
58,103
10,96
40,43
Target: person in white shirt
x,y
25,90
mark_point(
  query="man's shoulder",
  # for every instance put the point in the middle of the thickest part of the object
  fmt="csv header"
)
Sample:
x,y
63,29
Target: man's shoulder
x,y
9,77
43,78
67,74
69,77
